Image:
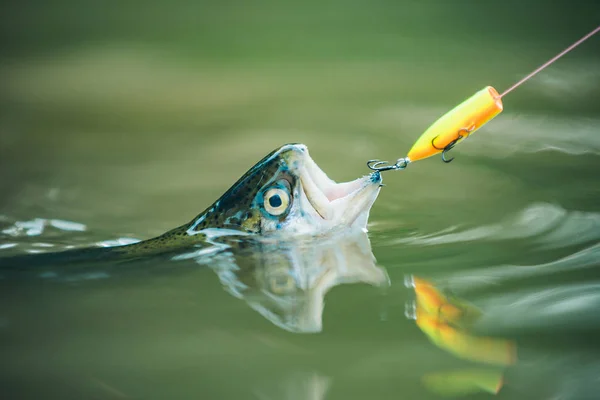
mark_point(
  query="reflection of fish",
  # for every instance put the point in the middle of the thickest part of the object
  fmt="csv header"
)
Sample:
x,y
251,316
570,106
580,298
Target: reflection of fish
x,y
286,282
284,193
297,386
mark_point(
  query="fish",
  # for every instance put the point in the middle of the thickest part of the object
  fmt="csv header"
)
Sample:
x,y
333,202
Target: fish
x,y
285,194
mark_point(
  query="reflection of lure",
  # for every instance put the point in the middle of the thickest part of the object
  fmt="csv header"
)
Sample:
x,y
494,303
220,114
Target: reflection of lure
x,y
433,302
464,382
482,349
442,320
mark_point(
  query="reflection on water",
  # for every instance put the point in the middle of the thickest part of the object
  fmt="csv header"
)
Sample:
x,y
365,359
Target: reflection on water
x,y
297,386
287,282
546,224
447,323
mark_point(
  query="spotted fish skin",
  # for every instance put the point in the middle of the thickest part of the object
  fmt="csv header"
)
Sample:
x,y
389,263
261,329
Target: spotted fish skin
x,y
236,209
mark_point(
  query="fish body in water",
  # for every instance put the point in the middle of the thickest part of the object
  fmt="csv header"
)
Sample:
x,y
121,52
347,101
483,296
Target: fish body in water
x,y
279,239
284,194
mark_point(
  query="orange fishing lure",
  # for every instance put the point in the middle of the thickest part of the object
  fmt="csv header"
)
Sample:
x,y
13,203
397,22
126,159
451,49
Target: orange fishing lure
x,y
463,120
457,124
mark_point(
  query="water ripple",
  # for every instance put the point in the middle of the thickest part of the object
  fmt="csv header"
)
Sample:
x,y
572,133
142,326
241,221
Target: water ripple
x,y
36,227
553,225
586,258
565,307
517,134
117,242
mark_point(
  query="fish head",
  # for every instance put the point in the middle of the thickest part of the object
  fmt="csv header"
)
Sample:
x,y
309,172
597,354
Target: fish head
x,y
287,193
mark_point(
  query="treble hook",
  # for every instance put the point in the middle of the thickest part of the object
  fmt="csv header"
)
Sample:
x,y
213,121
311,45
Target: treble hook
x,y
376,165
446,149
451,145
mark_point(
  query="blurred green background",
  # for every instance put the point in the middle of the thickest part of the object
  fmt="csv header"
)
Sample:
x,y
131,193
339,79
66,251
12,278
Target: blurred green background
x,y
171,89
131,117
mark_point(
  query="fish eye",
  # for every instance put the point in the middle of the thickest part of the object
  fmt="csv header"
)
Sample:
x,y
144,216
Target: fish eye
x,y
276,201
282,284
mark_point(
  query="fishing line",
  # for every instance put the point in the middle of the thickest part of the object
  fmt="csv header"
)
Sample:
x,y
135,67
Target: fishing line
x,y
547,63
460,122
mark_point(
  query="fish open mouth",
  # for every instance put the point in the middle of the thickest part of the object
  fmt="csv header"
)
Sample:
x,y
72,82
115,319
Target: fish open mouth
x,y
334,201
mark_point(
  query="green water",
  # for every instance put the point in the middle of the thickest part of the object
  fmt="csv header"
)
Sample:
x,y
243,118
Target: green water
x,y
128,120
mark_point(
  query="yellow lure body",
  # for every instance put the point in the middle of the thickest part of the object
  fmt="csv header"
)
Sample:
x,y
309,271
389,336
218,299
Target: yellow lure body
x,y
458,123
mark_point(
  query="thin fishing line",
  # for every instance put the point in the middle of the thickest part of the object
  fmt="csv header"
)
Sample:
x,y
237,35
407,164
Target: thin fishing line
x,y
547,63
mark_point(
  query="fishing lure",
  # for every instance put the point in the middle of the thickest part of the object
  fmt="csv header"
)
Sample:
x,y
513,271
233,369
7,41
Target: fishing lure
x,y
463,120
457,124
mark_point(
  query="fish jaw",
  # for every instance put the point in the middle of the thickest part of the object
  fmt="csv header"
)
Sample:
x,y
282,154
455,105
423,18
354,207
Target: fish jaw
x,y
337,205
